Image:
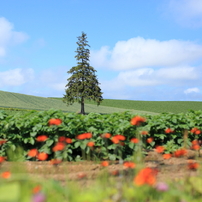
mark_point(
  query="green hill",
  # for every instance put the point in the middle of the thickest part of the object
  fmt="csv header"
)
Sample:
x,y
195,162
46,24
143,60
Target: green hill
x,y
22,101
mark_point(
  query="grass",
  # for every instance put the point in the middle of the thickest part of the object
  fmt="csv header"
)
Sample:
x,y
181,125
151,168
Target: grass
x,y
150,106
28,102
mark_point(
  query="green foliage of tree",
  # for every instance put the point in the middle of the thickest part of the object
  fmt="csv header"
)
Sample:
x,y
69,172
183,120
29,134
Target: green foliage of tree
x,y
83,83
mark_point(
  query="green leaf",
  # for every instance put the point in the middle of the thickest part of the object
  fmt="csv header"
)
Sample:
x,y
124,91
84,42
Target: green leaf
x,y
77,144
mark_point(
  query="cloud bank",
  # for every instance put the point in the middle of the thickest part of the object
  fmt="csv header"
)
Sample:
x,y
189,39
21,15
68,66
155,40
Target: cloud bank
x,y
9,37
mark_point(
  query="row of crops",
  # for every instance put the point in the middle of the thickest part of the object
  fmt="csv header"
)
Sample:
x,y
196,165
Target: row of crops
x,y
21,133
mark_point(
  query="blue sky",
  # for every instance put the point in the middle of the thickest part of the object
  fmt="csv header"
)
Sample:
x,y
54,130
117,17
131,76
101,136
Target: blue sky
x,y
141,49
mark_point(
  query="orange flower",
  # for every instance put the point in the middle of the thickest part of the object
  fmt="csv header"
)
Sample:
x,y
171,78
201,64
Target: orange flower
x,y
149,140
195,131
2,141
192,165
137,120
68,140
169,130
42,156
32,152
2,159
41,138
104,163
120,137
144,132
115,140
36,189
84,136
180,152
6,175
90,144
88,135
129,164
146,176
167,156
160,149
195,142
195,147
59,146
54,122
61,139
106,135
134,140
55,161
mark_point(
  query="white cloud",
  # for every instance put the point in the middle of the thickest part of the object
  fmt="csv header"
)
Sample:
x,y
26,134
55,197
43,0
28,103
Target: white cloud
x,y
139,52
16,77
192,90
186,12
9,37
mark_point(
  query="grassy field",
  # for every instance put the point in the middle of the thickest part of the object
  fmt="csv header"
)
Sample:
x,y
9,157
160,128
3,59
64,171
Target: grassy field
x,y
22,101
151,106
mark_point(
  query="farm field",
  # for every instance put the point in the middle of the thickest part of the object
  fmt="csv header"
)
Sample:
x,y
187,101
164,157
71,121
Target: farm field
x,y
22,101
151,106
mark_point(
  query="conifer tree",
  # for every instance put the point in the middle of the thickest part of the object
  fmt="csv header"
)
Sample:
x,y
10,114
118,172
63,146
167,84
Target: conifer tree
x,y
83,83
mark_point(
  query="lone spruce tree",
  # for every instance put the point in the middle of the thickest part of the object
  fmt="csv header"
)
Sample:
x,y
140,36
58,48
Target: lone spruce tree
x,y
83,83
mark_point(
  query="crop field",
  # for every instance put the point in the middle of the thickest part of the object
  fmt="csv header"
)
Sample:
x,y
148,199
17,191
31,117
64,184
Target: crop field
x,y
22,101
150,106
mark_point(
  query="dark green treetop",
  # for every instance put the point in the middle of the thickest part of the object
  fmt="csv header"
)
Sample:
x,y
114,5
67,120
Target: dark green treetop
x,y
83,83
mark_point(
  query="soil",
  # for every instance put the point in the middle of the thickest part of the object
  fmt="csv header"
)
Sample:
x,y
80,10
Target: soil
x,y
86,172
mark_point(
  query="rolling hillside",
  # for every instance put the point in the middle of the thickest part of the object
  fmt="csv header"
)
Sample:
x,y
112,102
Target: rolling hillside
x,y
22,101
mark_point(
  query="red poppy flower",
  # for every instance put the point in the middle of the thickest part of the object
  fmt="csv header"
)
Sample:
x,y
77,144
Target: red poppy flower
x,y
120,137
90,144
180,152
137,120
169,130
59,146
106,135
55,161
134,140
54,122
195,131
2,141
2,159
32,152
192,165
129,164
195,147
115,140
6,174
149,140
144,132
36,189
61,139
41,138
104,163
68,140
160,149
167,156
84,136
146,176
42,156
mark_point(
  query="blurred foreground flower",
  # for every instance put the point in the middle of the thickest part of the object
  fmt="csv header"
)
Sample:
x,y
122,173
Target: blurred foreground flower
x,y
104,163
129,164
6,174
192,165
39,197
161,186
146,176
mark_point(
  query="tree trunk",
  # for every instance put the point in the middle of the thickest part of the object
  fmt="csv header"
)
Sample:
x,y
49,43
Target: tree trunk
x,y
82,106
